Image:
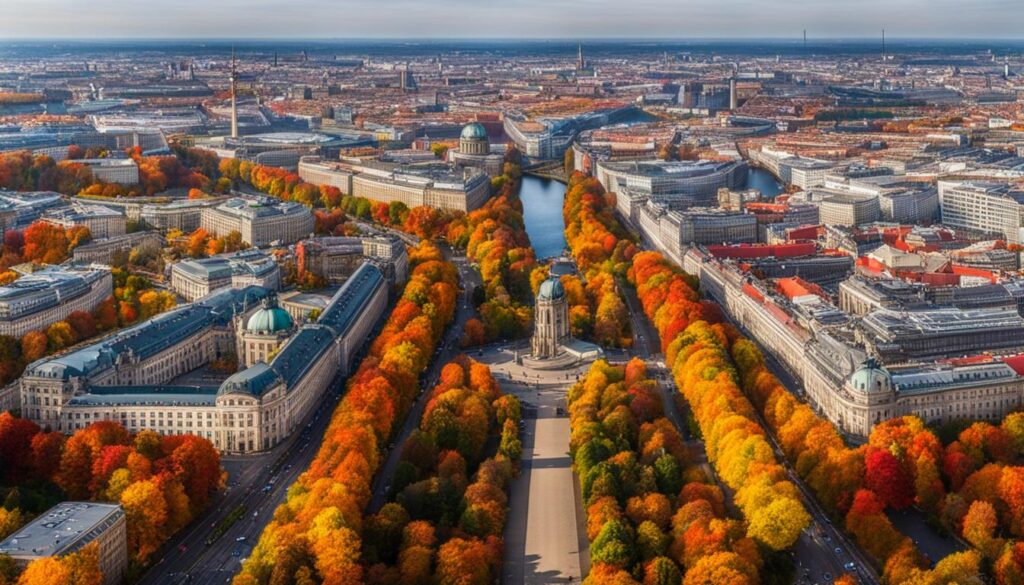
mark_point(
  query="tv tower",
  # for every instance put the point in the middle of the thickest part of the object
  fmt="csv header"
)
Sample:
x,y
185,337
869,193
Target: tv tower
x,y
883,44
234,103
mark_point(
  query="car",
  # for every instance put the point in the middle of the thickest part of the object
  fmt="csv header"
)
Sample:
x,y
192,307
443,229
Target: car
x,y
237,551
240,539
827,577
850,566
267,488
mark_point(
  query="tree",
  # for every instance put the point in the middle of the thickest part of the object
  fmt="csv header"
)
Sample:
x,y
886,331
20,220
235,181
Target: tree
x,y
886,476
614,545
779,524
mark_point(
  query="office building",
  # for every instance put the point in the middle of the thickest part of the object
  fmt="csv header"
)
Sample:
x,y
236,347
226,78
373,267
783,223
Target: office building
x,y
262,221
66,529
193,279
36,301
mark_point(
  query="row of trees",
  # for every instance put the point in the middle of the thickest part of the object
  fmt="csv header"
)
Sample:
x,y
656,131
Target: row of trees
x,y
200,243
23,171
652,516
163,482
40,242
602,250
495,238
442,527
133,300
903,463
315,535
713,362
697,353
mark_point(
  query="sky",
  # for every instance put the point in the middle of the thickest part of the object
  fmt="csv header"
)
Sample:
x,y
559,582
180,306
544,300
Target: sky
x,y
508,19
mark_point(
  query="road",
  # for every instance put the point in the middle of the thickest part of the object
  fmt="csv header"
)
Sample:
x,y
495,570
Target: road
x,y
186,558
447,350
821,552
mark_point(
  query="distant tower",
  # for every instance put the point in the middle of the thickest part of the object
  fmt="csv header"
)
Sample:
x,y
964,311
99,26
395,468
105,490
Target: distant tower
x,y
1006,68
234,102
275,59
580,63
734,100
805,40
883,44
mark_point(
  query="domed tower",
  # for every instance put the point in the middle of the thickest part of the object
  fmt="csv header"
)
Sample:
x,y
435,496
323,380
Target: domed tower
x,y
266,329
473,140
873,395
551,319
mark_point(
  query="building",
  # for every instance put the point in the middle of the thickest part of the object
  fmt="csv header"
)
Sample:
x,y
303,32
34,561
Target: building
x,y
185,215
414,185
102,221
901,335
335,258
66,529
672,232
123,171
132,376
823,348
475,151
262,221
36,301
193,279
677,184
551,321
988,208
102,250
849,209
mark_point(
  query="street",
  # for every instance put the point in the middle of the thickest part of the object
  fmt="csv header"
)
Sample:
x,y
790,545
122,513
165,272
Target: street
x,y
447,350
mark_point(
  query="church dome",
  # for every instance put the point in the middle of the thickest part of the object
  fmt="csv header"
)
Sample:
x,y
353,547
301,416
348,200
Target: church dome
x,y
551,289
269,319
871,378
474,131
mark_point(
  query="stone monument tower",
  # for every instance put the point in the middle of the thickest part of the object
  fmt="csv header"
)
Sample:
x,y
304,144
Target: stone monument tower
x,y
551,319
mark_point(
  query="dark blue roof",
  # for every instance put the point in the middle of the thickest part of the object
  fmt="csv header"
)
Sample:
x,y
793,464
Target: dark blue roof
x,y
301,352
348,302
150,395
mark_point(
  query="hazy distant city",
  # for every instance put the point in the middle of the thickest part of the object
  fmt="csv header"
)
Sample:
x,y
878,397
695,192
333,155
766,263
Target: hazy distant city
x,y
452,308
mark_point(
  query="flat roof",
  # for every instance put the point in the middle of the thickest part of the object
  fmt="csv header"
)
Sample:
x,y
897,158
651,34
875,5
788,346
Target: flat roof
x,y
62,529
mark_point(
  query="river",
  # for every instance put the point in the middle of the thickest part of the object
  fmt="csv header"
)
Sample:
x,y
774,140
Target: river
x,y
542,213
542,208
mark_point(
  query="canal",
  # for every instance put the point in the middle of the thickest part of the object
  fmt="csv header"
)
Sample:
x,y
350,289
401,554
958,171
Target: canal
x,y
764,182
542,213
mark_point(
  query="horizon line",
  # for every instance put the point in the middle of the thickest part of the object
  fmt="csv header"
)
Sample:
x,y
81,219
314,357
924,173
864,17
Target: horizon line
x,y
537,40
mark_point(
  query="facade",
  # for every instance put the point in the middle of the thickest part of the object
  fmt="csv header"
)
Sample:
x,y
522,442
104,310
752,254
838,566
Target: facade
x,y
102,250
130,377
551,321
849,209
102,221
676,184
194,279
36,301
185,215
990,208
335,258
67,528
261,220
674,231
113,170
414,185
475,151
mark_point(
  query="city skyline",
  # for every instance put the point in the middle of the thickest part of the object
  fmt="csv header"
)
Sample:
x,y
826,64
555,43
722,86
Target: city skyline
x,y
523,19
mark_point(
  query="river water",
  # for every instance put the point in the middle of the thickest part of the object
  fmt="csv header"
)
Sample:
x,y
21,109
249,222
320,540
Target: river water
x,y
542,208
542,213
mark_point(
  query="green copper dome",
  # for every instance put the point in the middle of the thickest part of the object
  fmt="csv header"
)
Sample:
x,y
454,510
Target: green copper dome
x,y
474,131
270,318
551,289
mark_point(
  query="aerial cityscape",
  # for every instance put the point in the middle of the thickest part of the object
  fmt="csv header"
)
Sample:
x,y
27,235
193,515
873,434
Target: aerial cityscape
x,y
362,293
